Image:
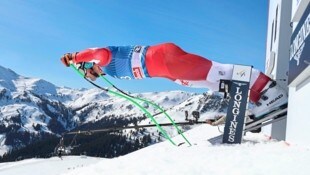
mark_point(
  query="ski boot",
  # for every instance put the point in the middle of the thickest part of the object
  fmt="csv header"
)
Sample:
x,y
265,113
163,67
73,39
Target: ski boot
x,y
271,98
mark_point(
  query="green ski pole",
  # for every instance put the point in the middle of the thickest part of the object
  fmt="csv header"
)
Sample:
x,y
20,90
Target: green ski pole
x,y
148,114
154,105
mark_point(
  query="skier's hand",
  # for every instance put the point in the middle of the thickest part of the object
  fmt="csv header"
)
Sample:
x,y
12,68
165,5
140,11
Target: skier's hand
x,y
90,70
67,58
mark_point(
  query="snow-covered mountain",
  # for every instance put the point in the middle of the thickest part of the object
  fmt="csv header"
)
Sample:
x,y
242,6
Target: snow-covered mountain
x,y
32,108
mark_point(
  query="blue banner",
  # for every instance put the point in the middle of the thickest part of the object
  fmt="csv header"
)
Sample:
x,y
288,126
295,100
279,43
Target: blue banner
x,y
237,106
300,47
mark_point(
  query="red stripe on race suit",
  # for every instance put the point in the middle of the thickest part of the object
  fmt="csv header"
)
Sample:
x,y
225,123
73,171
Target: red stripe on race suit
x,y
258,86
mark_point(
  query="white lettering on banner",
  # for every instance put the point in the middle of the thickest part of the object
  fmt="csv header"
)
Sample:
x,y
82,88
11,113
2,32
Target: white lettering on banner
x,y
136,64
298,43
235,112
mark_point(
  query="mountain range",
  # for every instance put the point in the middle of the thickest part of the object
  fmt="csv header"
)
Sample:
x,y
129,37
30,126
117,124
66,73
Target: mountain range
x,y
32,109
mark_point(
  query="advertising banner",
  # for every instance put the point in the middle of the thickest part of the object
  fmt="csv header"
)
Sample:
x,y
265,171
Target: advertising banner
x,y
239,91
300,47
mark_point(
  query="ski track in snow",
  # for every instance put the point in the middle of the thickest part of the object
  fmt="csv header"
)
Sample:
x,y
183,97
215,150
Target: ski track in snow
x,y
257,155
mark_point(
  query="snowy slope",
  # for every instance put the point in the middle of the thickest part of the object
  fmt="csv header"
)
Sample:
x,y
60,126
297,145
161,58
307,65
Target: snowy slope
x,y
52,166
257,155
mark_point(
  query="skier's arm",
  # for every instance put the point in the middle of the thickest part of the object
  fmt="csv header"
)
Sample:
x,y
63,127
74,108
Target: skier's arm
x,y
100,56
89,60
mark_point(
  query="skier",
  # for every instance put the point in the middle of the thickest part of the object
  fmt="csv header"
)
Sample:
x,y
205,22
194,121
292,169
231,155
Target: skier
x,y
170,61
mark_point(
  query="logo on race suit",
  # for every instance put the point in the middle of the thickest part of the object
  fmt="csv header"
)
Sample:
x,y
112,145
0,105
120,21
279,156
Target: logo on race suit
x,y
137,73
241,73
137,49
185,83
221,73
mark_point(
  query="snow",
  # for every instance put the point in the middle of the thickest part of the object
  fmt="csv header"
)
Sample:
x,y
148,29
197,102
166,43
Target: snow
x,y
88,96
7,77
29,116
258,154
3,148
52,166
14,82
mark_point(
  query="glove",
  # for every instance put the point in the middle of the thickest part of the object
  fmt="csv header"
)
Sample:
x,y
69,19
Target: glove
x,y
67,58
90,70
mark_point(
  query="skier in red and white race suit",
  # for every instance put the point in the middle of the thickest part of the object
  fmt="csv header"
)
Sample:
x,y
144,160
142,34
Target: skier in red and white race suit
x,y
170,61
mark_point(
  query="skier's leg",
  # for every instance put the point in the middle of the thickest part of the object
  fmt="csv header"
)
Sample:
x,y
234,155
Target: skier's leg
x,y
170,61
271,97
265,93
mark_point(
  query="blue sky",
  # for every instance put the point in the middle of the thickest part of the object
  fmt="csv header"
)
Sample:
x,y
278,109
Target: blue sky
x,y
34,34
